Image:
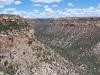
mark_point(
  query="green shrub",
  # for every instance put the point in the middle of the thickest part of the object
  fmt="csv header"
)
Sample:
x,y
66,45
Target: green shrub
x,y
10,69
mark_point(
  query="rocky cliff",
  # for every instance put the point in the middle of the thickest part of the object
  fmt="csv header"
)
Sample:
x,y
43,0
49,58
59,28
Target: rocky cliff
x,y
75,39
46,47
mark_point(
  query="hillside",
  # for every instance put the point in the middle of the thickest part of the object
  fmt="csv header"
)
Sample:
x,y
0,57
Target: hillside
x,y
49,46
75,39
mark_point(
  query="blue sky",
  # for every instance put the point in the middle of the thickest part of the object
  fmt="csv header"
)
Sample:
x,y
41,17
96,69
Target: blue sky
x,y
51,8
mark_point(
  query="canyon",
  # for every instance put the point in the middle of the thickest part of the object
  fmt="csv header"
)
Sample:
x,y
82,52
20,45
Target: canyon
x,y
60,46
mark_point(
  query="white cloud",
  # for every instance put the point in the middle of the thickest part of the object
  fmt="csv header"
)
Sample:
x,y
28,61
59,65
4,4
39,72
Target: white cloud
x,y
98,5
46,6
48,11
70,4
55,5
6,2
37,11
36,5
18,2
1,6
51,13
9,11
46,1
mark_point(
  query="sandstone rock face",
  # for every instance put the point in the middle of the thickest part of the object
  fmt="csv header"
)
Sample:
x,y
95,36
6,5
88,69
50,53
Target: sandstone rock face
x,y
69,21
7,19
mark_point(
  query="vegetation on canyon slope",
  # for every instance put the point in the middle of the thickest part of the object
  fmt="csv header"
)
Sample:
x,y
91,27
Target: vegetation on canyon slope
x,y
52,49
